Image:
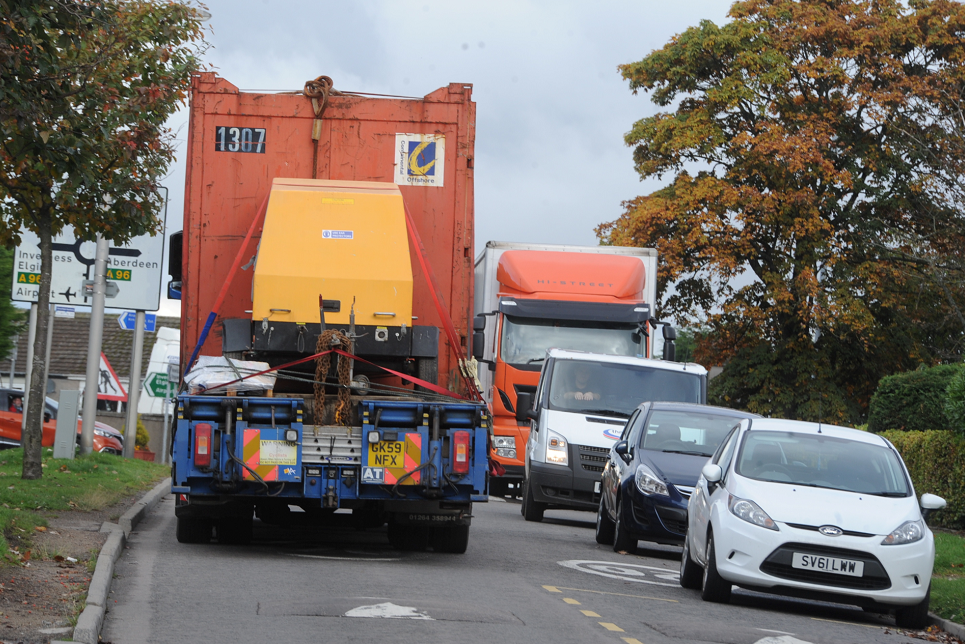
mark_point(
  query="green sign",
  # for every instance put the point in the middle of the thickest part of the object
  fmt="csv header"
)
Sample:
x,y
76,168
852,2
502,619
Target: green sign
x,y
119,274
28,278
157,384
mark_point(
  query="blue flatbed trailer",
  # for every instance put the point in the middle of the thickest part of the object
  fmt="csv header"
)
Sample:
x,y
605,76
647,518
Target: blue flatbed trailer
x,y
417,466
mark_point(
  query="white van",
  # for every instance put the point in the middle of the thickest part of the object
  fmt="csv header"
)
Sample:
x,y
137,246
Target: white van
x,y
580,408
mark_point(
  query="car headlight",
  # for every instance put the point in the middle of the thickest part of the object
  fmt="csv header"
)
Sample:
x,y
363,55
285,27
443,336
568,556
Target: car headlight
x,y
907,532
506,453
505,441
101,432
556,451
647,481
750,512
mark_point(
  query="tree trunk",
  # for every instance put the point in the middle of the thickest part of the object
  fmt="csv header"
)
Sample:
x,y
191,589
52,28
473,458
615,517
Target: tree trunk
x,y
37,394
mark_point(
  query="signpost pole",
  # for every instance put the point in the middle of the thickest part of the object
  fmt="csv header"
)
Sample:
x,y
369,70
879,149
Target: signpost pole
x,y
134,387
94,346
31,336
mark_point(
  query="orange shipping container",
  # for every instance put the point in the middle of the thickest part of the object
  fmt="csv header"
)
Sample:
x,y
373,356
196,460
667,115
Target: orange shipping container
x,y
240,141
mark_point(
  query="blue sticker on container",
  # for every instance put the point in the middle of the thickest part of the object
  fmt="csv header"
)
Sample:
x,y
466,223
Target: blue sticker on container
x,y
338,234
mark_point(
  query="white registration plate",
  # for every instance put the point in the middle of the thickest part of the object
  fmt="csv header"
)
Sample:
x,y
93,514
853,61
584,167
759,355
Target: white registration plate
x,y
835,565
596,487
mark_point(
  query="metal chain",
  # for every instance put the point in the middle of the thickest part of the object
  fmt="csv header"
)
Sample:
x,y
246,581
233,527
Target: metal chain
x,y
329,340
318,90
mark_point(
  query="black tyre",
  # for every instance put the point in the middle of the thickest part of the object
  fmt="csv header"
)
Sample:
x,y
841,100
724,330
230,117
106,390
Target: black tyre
x,y
604,525
623,541
915,617
193,530
715,588
454,539
691,575
532,509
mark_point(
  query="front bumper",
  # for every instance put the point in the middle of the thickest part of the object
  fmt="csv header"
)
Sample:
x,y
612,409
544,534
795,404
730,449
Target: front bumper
x,y
758,558
658,518
560,486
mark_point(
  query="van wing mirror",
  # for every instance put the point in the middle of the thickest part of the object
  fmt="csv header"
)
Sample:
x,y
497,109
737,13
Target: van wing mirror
x,y
524,407
478,344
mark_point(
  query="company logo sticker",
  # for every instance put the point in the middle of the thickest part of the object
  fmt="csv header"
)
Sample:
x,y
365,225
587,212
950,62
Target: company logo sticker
x,y
613,434
831,531
373,475
338,234
420,159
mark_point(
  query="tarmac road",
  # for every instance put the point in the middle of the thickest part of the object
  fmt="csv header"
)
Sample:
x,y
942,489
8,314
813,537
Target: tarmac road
x,y
538,583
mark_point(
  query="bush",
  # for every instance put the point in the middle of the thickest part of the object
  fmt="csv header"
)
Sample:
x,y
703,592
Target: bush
x,y
142,437
912,401
936,462
955,404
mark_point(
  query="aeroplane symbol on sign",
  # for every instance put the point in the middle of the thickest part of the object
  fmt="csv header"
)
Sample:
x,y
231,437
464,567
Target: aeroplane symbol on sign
x,y
373,475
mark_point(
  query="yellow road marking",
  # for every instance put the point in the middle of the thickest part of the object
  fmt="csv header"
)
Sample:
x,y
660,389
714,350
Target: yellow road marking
x,y
571,601
835,621
589,613
611,627
631,640
559,589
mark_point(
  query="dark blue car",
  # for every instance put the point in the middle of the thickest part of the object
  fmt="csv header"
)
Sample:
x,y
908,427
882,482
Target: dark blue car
x,y
653,469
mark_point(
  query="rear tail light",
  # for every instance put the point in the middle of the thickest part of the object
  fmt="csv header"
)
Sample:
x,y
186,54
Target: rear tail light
x,y
202,445
460,452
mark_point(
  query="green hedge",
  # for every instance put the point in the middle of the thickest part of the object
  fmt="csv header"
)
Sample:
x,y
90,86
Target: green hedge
x,y
912,401
936,462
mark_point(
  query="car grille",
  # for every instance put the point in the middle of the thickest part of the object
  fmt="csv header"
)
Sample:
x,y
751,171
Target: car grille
x,y
593,459
685,490
778,564
673,519
814,528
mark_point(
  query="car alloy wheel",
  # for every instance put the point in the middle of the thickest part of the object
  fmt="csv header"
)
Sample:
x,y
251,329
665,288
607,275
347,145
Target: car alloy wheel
x,y
622,540
691,575
715,588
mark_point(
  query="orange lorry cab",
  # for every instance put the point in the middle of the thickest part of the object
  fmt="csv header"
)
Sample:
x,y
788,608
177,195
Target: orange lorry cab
x,y
533,297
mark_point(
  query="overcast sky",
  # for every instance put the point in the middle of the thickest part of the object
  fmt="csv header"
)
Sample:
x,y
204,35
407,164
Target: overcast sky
x,y
551,106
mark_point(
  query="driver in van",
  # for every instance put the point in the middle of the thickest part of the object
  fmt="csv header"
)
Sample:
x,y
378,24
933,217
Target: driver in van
x,y
582,388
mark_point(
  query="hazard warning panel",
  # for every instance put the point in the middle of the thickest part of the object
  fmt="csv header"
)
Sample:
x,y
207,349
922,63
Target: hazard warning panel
x,y
109,387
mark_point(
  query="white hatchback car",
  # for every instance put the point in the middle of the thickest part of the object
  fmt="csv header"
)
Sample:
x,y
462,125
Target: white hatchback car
x,y
814,511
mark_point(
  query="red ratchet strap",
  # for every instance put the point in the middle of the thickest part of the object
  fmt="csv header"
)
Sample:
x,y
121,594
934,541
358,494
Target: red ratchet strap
x,y
422,383
439,301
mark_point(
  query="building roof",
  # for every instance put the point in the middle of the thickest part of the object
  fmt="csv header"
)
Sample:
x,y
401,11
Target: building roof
x,y
68,353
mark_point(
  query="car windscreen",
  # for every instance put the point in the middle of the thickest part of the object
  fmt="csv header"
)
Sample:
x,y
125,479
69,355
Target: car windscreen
x,y
525,340
817,460
613,389
686,432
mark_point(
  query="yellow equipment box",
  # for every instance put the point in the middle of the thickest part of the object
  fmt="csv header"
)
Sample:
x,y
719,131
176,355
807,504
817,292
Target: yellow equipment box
x,y
338,239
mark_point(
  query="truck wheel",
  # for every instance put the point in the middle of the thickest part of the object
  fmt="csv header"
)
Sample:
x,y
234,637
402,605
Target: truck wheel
x,y
604,525
690,572
235,531
454,539
193,530
410,538
622,541
715,588
915,617
532,509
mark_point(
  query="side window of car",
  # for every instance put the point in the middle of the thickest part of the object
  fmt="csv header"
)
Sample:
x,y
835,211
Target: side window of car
x,y
629,426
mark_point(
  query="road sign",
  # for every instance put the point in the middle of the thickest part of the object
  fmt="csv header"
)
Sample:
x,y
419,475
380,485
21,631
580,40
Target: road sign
x,y
128,319
109,387
64,312
133,269
157,384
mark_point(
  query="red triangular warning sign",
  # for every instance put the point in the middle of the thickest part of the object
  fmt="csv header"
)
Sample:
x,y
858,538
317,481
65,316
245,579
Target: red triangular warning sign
x,y
109,387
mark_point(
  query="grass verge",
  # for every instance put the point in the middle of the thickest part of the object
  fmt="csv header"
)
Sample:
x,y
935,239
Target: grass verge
x,y
948,578
92,482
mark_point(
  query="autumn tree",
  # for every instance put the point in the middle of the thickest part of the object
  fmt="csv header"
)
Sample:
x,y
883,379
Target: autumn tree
x,y
793,194
85,88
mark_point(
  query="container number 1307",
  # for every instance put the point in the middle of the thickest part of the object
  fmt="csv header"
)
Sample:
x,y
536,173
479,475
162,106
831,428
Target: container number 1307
x,y
240,139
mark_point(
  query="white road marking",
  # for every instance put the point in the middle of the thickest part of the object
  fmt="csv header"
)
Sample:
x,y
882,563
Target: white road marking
x,y
293,554
388,610
626,572
787,639
771,630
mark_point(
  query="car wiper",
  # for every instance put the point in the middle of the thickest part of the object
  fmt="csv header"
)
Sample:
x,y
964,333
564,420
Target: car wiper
x,y
890,495
682,451
605,412
532,360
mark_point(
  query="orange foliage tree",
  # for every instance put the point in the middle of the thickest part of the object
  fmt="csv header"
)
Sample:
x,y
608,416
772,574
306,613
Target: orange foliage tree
x,y
793,195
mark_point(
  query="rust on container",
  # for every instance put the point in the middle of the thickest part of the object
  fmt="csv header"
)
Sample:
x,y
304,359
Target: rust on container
x,y
238,142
